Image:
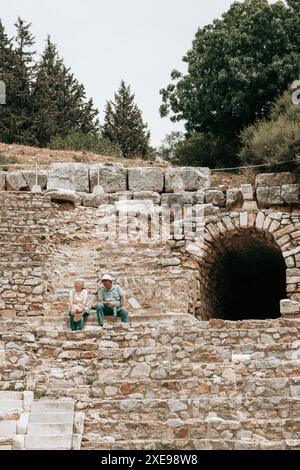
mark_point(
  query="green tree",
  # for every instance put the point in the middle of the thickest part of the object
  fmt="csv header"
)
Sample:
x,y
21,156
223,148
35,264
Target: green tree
x,y
16,66
59,100
237,67
124,126
276,140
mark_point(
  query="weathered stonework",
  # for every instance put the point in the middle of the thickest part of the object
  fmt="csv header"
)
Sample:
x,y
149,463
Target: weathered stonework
x,y
185,373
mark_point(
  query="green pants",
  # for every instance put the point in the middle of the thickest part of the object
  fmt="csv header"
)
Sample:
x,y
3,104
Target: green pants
x,y
78,325
102,310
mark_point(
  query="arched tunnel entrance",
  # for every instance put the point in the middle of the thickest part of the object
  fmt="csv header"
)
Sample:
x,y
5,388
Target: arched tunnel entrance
x,y
245,278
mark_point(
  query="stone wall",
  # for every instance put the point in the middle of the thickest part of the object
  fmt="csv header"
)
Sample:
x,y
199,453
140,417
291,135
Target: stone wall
x,y
48,239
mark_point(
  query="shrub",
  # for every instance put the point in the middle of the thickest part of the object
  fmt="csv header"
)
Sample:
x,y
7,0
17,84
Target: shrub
x,y
85,142
276,140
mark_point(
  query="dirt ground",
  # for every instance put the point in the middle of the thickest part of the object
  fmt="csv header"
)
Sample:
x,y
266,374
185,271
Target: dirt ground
x,y
14,157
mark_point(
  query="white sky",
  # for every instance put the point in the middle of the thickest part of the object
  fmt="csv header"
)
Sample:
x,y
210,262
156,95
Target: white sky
x,y
104,41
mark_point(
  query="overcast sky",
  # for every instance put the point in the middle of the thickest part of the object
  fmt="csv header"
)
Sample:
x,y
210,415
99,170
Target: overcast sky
x,y
104,41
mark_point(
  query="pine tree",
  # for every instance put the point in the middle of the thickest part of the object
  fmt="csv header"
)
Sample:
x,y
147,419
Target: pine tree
x,y
16,65
124,126
5,71
59,100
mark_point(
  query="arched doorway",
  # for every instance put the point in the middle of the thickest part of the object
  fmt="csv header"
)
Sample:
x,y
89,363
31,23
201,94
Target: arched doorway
x,y
250,280
244,277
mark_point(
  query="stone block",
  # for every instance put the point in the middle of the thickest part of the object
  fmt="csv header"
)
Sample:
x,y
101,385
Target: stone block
x,y
2,180
262,196
70,176
64,195
187,179
247,191
22,424
78,422
290,193
120,196
15,181
142,195
234,198
250,206
113,178
94,200
30,178
215,197
185,197
274,179
34,442
274,196
146,179
289,307
28,397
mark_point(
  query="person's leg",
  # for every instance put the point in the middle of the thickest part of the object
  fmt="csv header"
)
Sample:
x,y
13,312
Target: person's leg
x,y
85,316
108,311
100,309
123,313
72,323
79,324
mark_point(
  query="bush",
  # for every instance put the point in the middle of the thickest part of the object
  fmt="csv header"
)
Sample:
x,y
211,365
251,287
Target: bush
x,y
201,149
85,142
276,140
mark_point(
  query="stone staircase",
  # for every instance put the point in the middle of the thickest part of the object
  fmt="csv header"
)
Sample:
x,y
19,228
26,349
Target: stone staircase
x,y
150,385
143,273
50,426
28,424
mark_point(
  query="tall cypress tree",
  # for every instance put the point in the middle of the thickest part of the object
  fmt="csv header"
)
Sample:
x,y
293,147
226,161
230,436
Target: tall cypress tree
x,y
124,126
6,65
59,100
15,70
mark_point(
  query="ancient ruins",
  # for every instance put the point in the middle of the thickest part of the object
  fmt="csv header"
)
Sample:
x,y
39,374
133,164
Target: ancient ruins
x,y
211,356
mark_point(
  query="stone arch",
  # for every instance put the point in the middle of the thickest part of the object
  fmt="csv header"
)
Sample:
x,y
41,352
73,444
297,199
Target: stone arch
x,y
258,248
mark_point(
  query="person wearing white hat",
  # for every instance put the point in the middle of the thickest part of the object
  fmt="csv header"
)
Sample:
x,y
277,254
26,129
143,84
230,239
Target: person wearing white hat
x,y
111,301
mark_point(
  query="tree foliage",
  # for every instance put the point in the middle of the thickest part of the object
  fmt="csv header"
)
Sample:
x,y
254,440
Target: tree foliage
x,y
43,99
237,67
124,126
274,140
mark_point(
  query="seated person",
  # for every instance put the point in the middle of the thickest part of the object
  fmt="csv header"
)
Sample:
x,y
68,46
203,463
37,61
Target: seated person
x,y
78,305
111,301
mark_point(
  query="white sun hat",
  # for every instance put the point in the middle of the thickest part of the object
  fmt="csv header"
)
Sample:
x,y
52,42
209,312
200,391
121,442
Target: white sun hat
x,y
106,277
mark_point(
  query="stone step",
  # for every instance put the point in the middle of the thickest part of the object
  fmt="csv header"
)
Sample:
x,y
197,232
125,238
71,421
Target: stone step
x,y
211,428
8,405
153,354
49,428
52,418
194,444
171,370
9,395
235,408
8,427
175,389
48,442
43,406
281,327
6,447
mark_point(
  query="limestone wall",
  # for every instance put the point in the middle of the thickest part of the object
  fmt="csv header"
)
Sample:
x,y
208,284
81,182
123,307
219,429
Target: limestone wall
x,y
183,185
160,258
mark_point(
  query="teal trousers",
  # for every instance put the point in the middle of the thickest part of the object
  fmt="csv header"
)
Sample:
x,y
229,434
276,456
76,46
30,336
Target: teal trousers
x,y
78,325
103,310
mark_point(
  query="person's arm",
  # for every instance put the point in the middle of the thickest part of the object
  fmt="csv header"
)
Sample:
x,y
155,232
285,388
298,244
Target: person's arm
x,y
123,301
85,298
71,301
101,298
